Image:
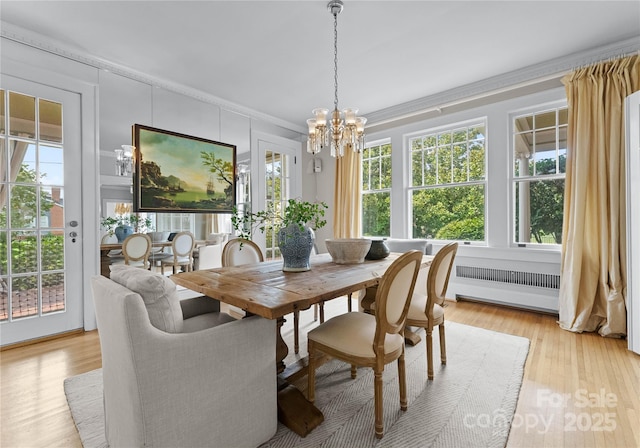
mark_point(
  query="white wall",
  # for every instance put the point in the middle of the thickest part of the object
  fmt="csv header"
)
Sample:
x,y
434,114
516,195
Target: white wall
x,y
112,103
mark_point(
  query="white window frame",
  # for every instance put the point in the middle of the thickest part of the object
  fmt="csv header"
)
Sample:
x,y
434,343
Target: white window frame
x,y
410,188
513,180
381,142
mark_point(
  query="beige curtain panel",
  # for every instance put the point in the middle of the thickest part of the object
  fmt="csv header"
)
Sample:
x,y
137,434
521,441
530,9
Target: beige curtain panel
x,y
593,287
347,196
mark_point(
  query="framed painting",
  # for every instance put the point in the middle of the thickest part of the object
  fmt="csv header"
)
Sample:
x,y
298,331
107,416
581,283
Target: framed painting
x,y
177,173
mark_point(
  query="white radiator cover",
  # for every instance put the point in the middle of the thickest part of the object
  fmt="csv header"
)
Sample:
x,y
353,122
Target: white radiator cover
x,y
523,284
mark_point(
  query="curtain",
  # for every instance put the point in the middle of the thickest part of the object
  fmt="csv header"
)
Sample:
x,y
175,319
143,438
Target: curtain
x,y
348,196
218,223
593,269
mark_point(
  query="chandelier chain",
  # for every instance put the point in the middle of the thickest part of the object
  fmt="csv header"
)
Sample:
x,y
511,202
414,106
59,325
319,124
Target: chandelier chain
x,y
335,59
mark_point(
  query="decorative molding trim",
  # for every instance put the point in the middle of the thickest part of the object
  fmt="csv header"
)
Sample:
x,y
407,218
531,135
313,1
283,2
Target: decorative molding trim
x,y
534,74
40,42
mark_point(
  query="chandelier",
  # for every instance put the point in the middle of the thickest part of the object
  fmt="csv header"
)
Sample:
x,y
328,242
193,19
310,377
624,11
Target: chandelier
x,y
345,129
124,160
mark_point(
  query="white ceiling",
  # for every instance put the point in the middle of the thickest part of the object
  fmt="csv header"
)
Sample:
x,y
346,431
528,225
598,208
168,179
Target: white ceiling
x,y
276,57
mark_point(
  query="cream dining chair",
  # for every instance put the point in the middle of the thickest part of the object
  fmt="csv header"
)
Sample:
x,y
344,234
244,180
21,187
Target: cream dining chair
x,y
371,340
239,251
182,252
136,249
426,311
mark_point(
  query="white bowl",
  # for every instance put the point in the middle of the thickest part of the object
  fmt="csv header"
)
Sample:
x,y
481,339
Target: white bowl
x,y
348,250
158,237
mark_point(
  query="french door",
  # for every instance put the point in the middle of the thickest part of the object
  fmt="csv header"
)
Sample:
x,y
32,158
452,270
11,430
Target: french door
x,y
40,210
279,181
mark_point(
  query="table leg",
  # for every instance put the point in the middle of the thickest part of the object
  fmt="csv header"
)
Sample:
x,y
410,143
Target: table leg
x,y
105,262
410,337
294,410
282,350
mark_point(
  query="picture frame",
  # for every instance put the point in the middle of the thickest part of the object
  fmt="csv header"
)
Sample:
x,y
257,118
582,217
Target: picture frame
x,y
178,173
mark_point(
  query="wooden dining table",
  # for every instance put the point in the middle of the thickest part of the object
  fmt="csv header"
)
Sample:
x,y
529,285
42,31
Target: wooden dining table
x,y
264,289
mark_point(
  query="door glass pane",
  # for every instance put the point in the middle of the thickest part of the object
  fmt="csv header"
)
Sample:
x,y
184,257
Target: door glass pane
x,y
24,252
2,112
52,207
51,165
52,251
22,115
24,296
24,210
3,164
52,292
50,115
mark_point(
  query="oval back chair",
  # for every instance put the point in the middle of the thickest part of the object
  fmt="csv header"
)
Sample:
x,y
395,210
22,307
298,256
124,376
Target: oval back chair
x,y
426,311
136,249
371,341
182,252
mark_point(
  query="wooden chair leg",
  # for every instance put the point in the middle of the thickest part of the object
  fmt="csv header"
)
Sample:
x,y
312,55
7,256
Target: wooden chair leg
x,y
443,347
402,382
349,305
315,312
296,331
321,305
354,371
311,374
377,392
429,343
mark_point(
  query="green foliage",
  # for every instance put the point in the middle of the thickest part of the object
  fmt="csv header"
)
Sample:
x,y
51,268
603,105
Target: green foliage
x,y
301,213
223,170
139,224
469,229
24,201
451,209
376,214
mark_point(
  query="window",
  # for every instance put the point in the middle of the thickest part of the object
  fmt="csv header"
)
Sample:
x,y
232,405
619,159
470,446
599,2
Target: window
x,y
539,156
174,222
376,190
448,182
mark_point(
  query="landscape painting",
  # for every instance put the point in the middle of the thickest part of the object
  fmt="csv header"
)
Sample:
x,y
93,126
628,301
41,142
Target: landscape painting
x,y
181,173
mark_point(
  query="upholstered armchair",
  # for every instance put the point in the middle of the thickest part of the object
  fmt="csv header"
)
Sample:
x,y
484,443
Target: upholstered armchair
x,y
181,374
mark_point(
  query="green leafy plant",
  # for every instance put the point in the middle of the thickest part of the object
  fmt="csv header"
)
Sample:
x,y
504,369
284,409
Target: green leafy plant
x,y
301,213
139,224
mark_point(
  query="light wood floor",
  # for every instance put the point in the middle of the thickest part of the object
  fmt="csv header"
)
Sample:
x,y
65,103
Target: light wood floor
x,y
579,390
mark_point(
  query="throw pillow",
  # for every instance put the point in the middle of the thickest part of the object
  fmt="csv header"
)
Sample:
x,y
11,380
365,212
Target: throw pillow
x,y
158,293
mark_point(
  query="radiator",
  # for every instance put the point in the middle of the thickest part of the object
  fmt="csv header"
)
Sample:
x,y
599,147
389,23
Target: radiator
x,y
507,283
535,279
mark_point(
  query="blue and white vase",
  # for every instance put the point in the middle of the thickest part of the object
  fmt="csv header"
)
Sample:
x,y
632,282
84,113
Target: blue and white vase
x,y
295,246
122,232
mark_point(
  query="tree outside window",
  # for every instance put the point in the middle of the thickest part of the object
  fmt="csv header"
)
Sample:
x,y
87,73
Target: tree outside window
x,y
376,190
448,182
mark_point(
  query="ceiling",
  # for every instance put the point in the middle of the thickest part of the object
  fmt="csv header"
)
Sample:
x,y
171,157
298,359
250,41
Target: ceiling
x,y
276,57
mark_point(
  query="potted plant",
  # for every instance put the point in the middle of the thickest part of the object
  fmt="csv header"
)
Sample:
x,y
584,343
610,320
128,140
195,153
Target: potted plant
x,y
295,229
124,223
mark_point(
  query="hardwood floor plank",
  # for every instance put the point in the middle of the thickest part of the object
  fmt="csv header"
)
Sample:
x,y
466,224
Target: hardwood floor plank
x,y
561,367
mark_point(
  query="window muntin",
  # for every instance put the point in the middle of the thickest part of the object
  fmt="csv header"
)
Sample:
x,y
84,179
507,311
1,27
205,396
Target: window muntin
x,y
539,148
448,182
376,190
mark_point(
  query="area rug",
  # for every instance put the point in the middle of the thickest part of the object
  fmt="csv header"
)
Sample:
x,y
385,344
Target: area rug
x,y
470,402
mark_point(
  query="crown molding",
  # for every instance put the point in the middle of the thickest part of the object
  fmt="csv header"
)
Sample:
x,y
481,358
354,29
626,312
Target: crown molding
x,y
41,42
533,74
